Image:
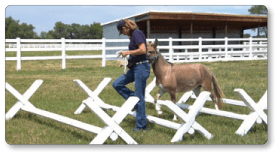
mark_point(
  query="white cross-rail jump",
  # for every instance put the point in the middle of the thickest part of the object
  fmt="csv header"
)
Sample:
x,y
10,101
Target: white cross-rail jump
x,y
257,113
190,126
112,129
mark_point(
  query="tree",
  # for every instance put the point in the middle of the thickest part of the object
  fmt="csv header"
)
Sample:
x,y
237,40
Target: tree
x,y
43,35
36,36
50,35
74,31
247,35
96,31
26,31
259,9
13,29
60,30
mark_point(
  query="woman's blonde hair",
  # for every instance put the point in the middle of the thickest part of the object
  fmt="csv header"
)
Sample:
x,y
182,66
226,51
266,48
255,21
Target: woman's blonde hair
x,y
131,24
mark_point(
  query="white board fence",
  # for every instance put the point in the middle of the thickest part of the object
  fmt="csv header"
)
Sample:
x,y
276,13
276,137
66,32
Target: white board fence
x,y
174,50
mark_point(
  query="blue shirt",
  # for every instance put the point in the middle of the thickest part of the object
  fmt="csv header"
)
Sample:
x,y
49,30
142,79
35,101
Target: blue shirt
x,y
136,38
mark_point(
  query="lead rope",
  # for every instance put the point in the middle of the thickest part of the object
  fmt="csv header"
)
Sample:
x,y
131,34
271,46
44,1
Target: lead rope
x,y
125,59
125,64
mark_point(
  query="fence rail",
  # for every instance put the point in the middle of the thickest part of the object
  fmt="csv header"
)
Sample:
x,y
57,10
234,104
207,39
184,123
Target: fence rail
x,y
174,50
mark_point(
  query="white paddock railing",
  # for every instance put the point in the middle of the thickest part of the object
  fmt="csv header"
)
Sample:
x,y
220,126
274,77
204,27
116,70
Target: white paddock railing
x,y
187,50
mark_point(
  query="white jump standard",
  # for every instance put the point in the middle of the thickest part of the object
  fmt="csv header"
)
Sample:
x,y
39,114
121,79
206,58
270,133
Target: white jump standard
x,y
188,118
96,92
256,115
112,123
18,105
103,134
183,128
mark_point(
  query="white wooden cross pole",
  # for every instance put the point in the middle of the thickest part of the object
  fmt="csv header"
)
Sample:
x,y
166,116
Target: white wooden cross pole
x,y
248,120
148,89
97,91
197,105
112,123
28,106
26,95
257,111
151,119
188,118
16,94
191,94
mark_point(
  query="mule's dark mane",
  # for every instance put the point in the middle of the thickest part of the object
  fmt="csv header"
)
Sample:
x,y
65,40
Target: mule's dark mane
x,y
160,55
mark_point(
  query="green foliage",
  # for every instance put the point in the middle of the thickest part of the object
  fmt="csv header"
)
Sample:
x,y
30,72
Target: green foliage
x,y
261,10
247,35
74,31
13,29
59,94
258,9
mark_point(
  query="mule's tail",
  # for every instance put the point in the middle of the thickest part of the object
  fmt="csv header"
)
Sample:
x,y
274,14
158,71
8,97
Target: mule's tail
x,y
218,92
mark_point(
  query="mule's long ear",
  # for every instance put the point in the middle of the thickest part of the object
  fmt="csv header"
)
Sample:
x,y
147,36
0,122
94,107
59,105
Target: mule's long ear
x,y
156,43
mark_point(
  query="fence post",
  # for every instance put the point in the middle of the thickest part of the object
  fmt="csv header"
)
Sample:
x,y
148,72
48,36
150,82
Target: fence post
x,y
250,47
103,52
200,49
63,54
170,50
18,54
226,48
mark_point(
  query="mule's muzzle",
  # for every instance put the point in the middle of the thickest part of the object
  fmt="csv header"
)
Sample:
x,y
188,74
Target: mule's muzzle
x,y
152,60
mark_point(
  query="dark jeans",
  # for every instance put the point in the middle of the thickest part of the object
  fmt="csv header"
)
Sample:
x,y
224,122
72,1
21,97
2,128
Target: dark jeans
x,y
139,74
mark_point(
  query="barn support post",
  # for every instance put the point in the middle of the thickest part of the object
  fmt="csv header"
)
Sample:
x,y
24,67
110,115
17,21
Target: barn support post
x,y
258,33
226,30
241,34
148,28
191,32
214,34
191,29
180,36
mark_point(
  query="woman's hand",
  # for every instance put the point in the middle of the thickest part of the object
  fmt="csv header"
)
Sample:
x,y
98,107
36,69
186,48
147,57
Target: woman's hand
x,y
125,53
121,63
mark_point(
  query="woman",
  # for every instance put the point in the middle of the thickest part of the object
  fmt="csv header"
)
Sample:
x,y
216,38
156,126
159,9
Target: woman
x,y
139,70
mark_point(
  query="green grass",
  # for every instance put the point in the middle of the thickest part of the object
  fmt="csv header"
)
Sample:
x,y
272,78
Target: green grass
x,y
59,94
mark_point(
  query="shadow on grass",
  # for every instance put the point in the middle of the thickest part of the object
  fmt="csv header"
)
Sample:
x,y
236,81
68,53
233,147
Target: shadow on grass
x,y
40,121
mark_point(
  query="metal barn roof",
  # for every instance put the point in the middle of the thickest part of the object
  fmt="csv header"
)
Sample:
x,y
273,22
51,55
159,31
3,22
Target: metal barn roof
x,y
204,19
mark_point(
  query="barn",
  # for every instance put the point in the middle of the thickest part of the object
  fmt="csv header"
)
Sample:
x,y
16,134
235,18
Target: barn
x,y
157,24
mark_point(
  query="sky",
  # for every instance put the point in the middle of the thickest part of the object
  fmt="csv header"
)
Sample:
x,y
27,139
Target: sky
x,y
44,17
